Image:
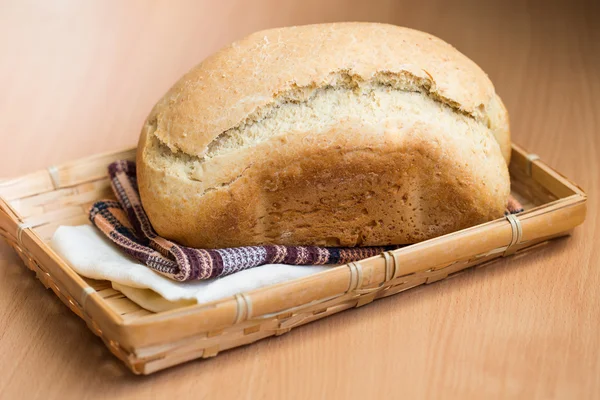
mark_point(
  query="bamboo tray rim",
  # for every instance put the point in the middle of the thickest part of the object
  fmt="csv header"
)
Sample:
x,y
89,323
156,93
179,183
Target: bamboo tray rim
x,y
88,302
181,311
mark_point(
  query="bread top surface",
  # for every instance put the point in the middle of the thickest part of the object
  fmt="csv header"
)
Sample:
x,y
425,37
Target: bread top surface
x,y
246,81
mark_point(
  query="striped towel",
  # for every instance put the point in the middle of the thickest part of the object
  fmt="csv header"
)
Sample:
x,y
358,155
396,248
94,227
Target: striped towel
x,y
126,224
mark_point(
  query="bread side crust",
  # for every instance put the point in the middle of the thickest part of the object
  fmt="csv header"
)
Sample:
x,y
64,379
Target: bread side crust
x,y
420,172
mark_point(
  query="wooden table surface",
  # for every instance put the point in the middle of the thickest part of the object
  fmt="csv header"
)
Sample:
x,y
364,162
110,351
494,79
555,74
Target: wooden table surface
x,y
78,78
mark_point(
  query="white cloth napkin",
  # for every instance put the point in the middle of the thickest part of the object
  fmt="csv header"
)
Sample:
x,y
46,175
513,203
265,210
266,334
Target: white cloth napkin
x,y
91,255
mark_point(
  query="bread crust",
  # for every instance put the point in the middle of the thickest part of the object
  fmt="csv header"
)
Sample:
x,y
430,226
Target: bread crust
x,y
419,154
234,84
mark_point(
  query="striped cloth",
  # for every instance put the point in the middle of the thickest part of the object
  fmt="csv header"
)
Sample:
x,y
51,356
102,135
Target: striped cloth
x,y
126,224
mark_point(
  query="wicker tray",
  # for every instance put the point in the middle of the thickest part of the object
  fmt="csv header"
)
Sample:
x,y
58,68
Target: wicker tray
x,y
33,206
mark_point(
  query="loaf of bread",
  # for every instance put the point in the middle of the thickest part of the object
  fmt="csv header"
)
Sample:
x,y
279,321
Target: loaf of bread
x,y
346,134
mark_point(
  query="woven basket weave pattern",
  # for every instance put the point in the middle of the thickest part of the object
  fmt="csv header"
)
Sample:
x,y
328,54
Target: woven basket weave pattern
x,y
32,207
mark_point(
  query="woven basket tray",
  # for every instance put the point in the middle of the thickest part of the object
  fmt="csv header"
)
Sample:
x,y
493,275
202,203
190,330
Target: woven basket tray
x,y
33,206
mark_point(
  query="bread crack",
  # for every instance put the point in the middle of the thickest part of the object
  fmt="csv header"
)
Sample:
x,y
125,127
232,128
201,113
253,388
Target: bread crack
x,y
301,97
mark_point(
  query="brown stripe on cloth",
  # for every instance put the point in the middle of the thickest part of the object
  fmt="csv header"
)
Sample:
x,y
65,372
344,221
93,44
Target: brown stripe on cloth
x,y
127,225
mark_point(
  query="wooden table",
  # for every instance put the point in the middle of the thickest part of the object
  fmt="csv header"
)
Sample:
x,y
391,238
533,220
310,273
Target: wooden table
x,y
78,78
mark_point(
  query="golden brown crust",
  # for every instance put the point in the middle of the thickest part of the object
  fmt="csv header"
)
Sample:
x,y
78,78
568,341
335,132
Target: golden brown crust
x,y
250,74
338,151
500,126
414,181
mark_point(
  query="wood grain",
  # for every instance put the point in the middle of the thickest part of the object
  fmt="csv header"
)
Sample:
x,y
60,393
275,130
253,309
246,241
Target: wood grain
x,y
79,78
